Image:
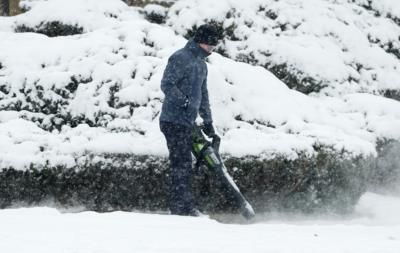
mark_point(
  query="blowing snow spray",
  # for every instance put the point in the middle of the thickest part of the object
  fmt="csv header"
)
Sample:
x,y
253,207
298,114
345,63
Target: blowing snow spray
x,y
207,153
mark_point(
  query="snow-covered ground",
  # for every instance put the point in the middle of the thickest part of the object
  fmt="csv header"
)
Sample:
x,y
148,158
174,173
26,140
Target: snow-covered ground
x,y
374,227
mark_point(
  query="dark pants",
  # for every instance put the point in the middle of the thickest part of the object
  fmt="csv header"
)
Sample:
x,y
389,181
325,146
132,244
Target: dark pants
x,y
179,142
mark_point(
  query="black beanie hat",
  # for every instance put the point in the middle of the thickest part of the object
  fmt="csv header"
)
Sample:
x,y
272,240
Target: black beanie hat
x,y
207,34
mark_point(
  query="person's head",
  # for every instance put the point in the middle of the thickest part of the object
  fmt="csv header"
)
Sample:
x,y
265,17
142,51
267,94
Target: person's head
x,y
207,37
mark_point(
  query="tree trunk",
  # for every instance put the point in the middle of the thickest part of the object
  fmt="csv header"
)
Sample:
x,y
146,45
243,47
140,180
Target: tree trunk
x,y
14,7
4,8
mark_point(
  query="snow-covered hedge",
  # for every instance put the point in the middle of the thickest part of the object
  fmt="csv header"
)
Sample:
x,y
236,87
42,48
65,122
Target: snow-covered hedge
x,y
155,13
61,18
69,103
326,46
327,181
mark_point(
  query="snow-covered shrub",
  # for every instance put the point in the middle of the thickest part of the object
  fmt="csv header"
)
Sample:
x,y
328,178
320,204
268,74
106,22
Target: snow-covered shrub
x,y
155,13
126,182
386,8
141,3
327,181
394,94
115,183
80,103
60,18
51,29
326,46
387,173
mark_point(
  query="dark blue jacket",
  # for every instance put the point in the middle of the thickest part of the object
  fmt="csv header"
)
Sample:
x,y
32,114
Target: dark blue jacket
x,y
185,78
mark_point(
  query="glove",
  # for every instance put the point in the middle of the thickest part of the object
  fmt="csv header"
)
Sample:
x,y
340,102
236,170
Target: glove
x,y
209,130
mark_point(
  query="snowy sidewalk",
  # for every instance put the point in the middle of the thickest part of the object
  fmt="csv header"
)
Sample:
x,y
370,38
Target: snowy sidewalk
x,y
42,230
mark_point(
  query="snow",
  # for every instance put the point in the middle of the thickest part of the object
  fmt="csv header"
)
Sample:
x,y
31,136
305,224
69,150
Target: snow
x,y
386,7
156,9
327,40
254,112
374,227
337,42
89,14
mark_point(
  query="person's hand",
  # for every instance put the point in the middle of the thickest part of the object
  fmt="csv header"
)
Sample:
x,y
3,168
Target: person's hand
x,y
209,130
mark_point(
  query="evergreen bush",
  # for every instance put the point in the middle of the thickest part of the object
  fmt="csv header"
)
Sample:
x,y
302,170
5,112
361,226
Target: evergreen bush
x,y
328,181
51,29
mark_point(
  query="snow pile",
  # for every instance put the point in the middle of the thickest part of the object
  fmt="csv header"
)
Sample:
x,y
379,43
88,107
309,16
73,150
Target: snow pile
x,y
65,97
328,46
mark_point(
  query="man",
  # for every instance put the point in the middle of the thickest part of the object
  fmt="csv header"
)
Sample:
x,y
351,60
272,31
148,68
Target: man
x,y
184,84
